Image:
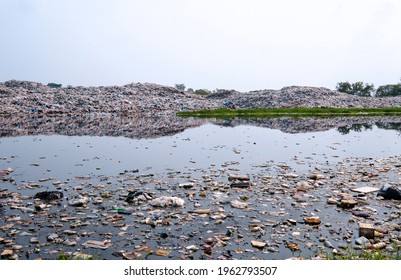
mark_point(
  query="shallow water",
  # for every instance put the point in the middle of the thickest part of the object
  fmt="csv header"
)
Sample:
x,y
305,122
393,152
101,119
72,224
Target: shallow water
x,y
63,157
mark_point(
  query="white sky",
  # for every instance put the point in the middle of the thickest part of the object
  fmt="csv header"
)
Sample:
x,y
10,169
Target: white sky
x,y
233,44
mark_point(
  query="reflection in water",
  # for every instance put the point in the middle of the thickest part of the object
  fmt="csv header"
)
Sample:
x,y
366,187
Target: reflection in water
x,y
389,126
304,125
356,127
135,126
369,126
163,124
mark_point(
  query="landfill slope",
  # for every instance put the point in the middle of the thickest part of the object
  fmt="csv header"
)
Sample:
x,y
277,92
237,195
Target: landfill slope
x,y
24,97
307,97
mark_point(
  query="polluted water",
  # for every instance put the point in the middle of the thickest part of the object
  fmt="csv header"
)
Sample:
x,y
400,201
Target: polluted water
x,y
198,189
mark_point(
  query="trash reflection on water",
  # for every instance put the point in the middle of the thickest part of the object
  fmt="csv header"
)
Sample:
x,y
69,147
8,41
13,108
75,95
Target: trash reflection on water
x,y
66,156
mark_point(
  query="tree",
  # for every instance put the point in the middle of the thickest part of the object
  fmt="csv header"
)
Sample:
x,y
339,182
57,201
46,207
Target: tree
x,y
344,87
180,87
358,88
389,90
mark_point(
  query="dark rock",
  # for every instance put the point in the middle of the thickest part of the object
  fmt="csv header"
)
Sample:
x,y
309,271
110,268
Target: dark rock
x,y
138,195
49,195
389,193
124,212
361,214
240,184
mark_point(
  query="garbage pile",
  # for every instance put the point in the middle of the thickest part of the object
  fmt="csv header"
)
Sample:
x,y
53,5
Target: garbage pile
x,y
306,97
23,97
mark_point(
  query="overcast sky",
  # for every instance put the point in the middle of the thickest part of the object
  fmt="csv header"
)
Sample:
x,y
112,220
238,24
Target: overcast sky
x,y
233,44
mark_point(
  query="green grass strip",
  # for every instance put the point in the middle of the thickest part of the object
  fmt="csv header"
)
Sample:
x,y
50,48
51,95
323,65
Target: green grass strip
x,y
291,112
367,254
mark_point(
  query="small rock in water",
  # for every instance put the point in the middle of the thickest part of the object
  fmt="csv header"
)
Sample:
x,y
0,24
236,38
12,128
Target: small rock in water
x,y
303,186
258,244
124,211
167,201
293,246
242,184
362,214
131,255
186,185
52,237
331,201
292,221
291,175
201,211
34,240
7,254
78,202
362,241
207,249
238,204
313,220
6,171
379,245
328,244
316,176
348,203
162,252
234,177
192,248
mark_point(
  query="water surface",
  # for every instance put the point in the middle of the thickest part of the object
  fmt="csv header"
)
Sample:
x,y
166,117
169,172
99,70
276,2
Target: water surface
x,y
63,157
93,163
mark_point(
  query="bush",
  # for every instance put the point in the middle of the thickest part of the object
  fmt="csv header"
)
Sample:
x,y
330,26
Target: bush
x,y
202,91
54,85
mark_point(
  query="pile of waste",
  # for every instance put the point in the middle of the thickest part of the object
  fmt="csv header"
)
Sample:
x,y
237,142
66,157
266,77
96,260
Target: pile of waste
x,y
23,97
